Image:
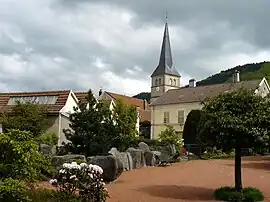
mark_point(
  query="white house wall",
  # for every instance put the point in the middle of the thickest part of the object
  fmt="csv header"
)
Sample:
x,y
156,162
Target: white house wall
x,y
263,88
71,102
157,116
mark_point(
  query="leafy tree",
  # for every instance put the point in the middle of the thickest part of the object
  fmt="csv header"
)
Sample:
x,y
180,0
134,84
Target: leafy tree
x,y
239,119
96,128
169,136
125,119
191,127
93,130
20,158
26,117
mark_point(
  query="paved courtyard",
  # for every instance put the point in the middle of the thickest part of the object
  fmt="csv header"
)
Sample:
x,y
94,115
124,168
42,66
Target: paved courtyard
x,y
188,181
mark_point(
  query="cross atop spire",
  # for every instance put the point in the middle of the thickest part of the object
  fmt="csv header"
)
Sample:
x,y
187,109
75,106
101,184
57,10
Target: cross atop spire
x,y
165,65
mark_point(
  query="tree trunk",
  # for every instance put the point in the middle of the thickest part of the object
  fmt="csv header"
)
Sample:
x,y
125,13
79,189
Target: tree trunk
x,y
237,170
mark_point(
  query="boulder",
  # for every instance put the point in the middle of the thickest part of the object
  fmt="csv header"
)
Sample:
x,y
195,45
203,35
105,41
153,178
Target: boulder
x,y
45,149
171,149
58,161
114,151
54,150
111,165
143,146
137,157
125,157
168,149
150,158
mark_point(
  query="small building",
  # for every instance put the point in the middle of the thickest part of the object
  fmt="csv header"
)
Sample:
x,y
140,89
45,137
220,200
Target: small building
x,y
58,103
144,116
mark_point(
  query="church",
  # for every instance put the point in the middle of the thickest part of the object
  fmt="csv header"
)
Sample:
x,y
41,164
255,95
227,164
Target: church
x,y
170,104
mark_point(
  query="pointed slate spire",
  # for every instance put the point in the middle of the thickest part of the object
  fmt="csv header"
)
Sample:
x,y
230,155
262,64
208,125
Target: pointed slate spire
x,y
165,65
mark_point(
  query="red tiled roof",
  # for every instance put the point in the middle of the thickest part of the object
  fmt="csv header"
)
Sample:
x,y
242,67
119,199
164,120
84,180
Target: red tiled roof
x,y
52,108
128,100
81,96
145,114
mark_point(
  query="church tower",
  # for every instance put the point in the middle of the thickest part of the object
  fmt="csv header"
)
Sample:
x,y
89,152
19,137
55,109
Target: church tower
x,y
165,76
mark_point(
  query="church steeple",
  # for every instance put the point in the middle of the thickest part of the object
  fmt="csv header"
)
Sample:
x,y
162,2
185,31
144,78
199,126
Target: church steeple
x,y
165,76
165,65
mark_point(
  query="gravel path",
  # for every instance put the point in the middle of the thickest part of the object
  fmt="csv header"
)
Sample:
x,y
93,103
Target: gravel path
x,y
188,181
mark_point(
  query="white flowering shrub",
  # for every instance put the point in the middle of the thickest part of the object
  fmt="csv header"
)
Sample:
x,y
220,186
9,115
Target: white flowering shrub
x,y
84,180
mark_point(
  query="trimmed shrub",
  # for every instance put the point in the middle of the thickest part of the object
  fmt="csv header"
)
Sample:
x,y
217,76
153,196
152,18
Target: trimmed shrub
x,y
13,191
217,154
47,138
248,194
191,127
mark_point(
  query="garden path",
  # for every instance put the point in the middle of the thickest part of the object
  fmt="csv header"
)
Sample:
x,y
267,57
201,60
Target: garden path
x,y
188,181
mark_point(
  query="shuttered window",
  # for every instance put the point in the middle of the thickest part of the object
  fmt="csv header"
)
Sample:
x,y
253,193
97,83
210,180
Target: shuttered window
x,y
181,117
166,117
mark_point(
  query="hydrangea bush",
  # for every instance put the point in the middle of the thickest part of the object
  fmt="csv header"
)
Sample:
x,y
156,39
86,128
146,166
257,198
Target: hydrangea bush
x,y
82,179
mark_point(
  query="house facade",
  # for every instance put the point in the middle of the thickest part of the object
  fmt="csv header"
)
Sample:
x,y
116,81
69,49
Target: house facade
x,y
59,105
170,104
173,106
142,107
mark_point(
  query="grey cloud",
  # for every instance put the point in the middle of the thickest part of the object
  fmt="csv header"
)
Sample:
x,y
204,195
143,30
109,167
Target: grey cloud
x,y
214,23
246,16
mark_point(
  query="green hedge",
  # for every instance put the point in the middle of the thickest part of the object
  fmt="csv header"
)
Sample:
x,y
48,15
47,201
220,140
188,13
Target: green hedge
x,y
248,194
13,191
217,154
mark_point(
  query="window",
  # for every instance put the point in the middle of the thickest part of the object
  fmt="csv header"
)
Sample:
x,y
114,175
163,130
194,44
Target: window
x,y
159,81
33,99
174,82
171,83
181,117
156,83
166,117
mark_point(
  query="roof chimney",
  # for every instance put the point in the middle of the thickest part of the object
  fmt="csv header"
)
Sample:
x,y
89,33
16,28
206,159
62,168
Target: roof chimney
x,y
100,92
236,76
145,104
192,83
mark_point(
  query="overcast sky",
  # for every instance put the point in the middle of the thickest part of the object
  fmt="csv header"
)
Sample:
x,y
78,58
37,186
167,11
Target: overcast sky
x,y
115,44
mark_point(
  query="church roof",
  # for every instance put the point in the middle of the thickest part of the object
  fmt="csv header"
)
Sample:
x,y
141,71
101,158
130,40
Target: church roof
x,y
165,65
200,93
